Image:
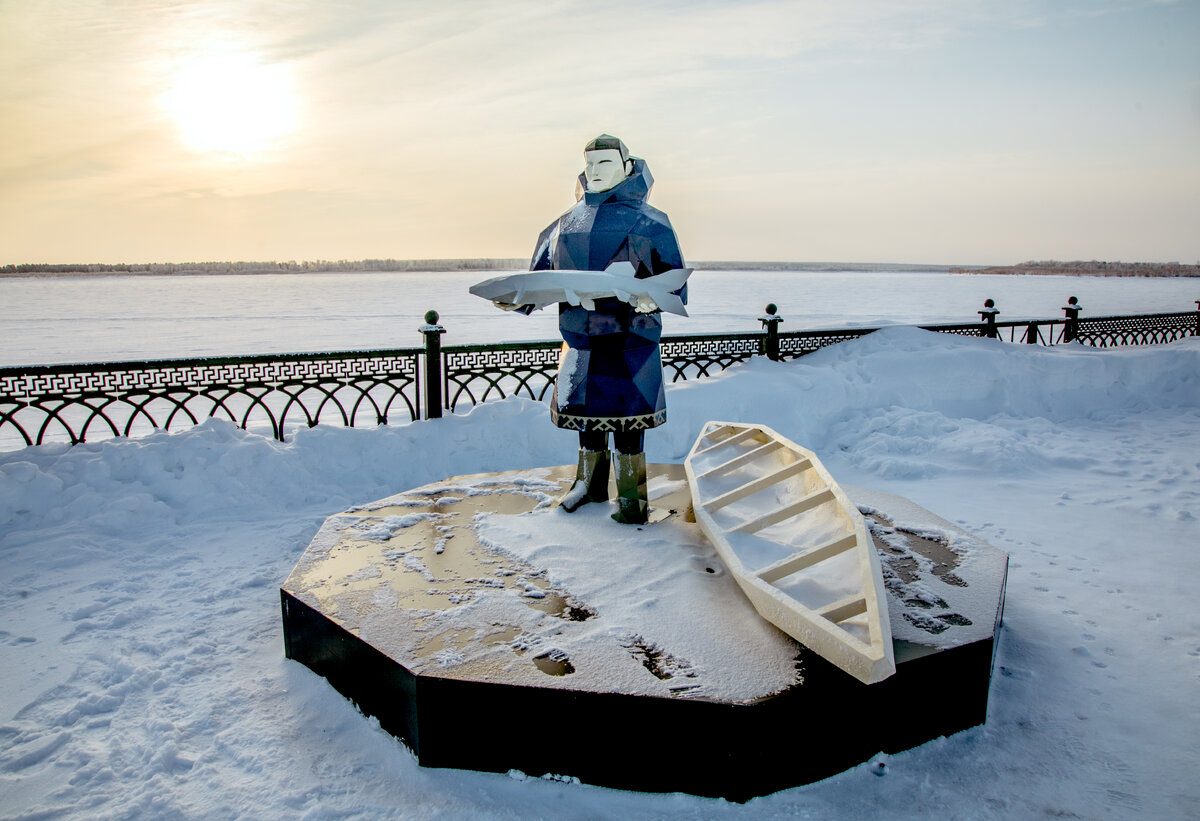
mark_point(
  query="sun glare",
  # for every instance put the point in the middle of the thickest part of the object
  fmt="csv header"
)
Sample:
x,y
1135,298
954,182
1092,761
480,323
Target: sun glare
x,y
232,104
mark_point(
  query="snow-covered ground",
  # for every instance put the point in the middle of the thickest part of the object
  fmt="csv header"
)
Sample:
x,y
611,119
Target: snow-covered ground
x,y
141,658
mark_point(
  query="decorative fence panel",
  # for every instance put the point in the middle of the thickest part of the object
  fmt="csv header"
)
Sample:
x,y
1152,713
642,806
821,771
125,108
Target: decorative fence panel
x,y
79,402
477,373
793,344
276,394
691,357
1147,329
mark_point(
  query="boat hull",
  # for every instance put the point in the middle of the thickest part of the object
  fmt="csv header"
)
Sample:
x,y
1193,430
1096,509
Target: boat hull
x,y
794,542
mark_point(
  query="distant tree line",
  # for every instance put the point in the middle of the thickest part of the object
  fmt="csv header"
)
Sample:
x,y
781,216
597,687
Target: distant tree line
x,y
392,265
308,266
1032,268
820,267
1089,268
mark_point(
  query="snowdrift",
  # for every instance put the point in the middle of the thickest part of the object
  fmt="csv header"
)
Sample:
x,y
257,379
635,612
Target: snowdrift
x,y
141,651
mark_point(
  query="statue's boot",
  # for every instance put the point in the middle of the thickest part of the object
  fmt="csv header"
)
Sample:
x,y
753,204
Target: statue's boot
x,y
633,505
591,481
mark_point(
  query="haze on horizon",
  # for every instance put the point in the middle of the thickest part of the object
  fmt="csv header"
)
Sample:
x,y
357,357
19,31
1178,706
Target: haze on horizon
x,y
929,131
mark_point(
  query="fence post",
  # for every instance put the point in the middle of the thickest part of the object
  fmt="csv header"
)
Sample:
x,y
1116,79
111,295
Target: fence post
x,y
433,365
1071,311
771,324
988,315
1198,317
1031,333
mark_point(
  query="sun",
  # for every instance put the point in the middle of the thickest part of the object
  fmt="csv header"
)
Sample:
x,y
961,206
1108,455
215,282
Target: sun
x,y
232,103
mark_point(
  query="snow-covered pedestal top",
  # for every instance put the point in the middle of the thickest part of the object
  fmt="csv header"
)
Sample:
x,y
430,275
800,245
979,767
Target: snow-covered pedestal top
x,y
483,578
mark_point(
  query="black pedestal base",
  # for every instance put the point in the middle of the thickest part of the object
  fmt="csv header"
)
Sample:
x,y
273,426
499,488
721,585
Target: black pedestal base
x,y
811,731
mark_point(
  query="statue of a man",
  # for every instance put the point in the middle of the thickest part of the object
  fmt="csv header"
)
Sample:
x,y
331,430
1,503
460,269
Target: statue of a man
x,y
610,375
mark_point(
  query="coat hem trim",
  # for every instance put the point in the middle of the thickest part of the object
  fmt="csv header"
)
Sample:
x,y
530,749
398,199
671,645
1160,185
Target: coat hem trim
x,y
618,424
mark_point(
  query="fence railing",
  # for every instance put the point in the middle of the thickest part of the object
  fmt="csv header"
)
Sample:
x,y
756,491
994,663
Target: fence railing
x,y
278,393
272,393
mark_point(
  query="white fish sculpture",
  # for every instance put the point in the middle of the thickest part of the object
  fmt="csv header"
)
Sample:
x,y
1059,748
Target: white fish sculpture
x,y
542,288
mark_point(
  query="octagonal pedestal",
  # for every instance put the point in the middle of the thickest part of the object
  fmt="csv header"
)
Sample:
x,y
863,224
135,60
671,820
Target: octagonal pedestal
x,y
491,631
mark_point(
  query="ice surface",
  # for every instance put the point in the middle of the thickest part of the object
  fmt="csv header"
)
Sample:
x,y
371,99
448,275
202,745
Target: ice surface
x,y
122,318
141,658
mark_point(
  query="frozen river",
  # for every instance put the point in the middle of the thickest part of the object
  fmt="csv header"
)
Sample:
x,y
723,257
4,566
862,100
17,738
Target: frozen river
x,y
104,319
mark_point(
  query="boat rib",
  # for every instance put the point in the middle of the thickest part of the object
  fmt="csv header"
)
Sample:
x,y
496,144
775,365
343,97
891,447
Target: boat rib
x,y
782,514
744,459
755,485
733,439
794,542
799,561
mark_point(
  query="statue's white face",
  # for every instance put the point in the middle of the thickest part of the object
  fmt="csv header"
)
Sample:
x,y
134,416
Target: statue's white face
x,y
604,169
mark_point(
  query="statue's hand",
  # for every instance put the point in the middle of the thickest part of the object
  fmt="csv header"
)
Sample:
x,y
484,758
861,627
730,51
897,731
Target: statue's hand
x,y
508,306
645,305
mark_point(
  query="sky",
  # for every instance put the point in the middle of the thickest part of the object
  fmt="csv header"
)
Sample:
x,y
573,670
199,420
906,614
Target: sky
x,y
915,131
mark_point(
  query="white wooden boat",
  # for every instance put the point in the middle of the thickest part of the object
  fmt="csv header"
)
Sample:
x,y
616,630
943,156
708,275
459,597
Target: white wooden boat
x,y
795,543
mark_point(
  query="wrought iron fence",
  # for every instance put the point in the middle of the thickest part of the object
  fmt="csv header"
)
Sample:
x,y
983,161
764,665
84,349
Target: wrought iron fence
x,y
273,393
364,388
698,355
793,344
1150,329
1096,331
477,373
